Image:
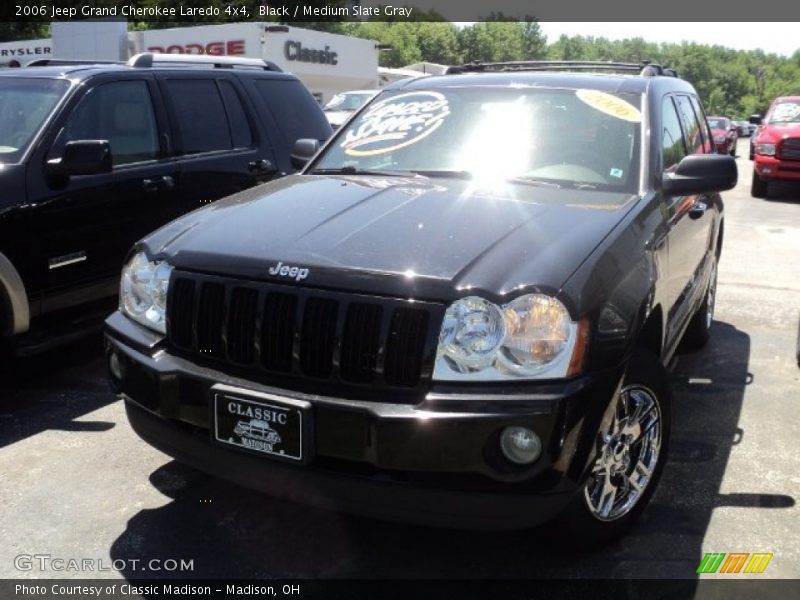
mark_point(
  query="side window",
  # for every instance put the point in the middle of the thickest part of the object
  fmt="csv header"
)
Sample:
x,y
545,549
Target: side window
x,y
672,146
691,128
294,109
241,133
705,132
202,124
120,112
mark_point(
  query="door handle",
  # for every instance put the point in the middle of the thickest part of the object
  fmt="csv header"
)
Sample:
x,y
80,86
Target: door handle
x,y
698,210
261,165
154,184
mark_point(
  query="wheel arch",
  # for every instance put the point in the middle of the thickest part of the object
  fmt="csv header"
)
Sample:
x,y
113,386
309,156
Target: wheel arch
x,y
14,306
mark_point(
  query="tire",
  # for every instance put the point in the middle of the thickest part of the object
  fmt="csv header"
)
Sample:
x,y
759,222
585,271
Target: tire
x,y
758,188
699,329
588,522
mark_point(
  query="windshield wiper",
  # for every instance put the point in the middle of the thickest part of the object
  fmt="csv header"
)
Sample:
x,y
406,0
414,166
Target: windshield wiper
x,y
444,173
350,170
531,181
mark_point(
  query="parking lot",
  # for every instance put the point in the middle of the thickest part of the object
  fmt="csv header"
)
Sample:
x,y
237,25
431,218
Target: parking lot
x,y
75,482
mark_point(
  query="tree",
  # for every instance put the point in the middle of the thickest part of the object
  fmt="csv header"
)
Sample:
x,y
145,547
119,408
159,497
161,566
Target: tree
x,y
19,30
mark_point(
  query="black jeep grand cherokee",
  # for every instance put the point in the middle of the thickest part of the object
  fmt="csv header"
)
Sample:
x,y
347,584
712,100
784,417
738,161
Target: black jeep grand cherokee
x,y
459,313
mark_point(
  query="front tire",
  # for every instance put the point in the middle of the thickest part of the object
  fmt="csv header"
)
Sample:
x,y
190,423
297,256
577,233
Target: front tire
x,y
758,187
631,452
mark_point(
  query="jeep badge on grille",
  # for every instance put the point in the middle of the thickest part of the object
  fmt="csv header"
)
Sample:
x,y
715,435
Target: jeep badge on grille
x,y
282,270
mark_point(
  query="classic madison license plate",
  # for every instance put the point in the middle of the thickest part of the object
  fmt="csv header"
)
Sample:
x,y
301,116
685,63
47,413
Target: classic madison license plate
x,y
261,423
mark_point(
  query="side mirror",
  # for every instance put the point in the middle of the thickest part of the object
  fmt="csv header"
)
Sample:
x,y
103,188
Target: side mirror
x,y
302,151
82,157
701,174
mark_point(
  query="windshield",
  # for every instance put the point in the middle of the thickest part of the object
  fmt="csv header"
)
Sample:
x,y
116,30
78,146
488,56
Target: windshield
x,y
570,138
785,112
24,105
717,123
348,101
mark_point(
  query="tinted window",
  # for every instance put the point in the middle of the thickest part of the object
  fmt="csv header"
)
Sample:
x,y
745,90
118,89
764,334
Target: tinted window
x,y
294,109
691,127
202,124
120,112
24,105
239,125
672,145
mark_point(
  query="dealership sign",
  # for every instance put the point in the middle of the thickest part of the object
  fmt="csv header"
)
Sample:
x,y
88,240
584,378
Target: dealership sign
x,y
230,48
295,51
25,51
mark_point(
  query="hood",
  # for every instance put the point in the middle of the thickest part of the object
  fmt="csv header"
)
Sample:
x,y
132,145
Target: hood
x,y
12,186
405,237
337,117
775,132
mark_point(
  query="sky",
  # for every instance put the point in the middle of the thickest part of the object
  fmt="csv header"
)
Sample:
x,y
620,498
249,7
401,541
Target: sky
x,y
776,38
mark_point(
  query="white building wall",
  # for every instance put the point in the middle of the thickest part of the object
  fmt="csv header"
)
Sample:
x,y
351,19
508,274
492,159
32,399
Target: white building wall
x,y
90,40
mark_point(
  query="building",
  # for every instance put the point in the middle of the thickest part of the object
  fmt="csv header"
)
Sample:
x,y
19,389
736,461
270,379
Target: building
x,y
326,63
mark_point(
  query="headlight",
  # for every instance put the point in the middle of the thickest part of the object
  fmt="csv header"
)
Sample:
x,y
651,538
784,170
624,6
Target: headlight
x,y
766,149
531,337
143,291
472,332
720,138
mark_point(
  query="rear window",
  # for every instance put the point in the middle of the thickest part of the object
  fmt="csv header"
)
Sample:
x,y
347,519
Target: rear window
x,y
294,109
24,106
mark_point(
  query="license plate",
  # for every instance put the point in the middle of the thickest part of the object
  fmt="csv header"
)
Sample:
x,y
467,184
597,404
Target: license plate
x,y
261,423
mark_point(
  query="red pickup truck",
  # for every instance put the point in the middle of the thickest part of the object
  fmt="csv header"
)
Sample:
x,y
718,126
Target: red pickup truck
x,y
776,149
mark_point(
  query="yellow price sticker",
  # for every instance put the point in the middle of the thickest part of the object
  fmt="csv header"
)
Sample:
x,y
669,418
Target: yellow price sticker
x,y
611,105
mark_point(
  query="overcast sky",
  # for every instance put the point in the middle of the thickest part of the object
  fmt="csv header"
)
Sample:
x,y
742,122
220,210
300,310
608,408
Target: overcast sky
x,y
777,38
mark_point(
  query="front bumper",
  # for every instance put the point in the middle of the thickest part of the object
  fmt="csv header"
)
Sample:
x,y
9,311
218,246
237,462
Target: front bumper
x,y
769,167
433,462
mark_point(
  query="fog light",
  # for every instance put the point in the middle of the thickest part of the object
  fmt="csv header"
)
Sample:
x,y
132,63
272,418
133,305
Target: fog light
x,y
115,366
520,445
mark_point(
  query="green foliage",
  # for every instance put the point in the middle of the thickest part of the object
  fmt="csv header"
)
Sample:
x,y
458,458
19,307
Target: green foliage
x,y
735,83
18,30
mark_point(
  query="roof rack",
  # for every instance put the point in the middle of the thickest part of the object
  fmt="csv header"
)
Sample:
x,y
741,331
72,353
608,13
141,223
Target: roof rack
x,y
644,68
63,62
146,60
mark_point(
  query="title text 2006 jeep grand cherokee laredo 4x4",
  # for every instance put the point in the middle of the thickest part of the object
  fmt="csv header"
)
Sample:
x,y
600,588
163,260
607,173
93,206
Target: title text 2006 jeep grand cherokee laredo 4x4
x,y
459,313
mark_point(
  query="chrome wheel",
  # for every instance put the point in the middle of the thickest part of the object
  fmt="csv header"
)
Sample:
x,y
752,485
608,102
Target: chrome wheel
x,y
628,455
710,298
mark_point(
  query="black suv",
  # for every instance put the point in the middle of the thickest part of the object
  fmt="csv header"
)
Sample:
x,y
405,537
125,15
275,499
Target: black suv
x,y
460,311
94,156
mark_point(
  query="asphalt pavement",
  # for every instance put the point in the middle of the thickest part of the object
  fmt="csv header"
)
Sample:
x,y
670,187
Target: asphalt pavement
x,y
76,482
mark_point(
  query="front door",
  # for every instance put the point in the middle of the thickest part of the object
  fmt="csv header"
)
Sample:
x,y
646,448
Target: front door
x,y
85,225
